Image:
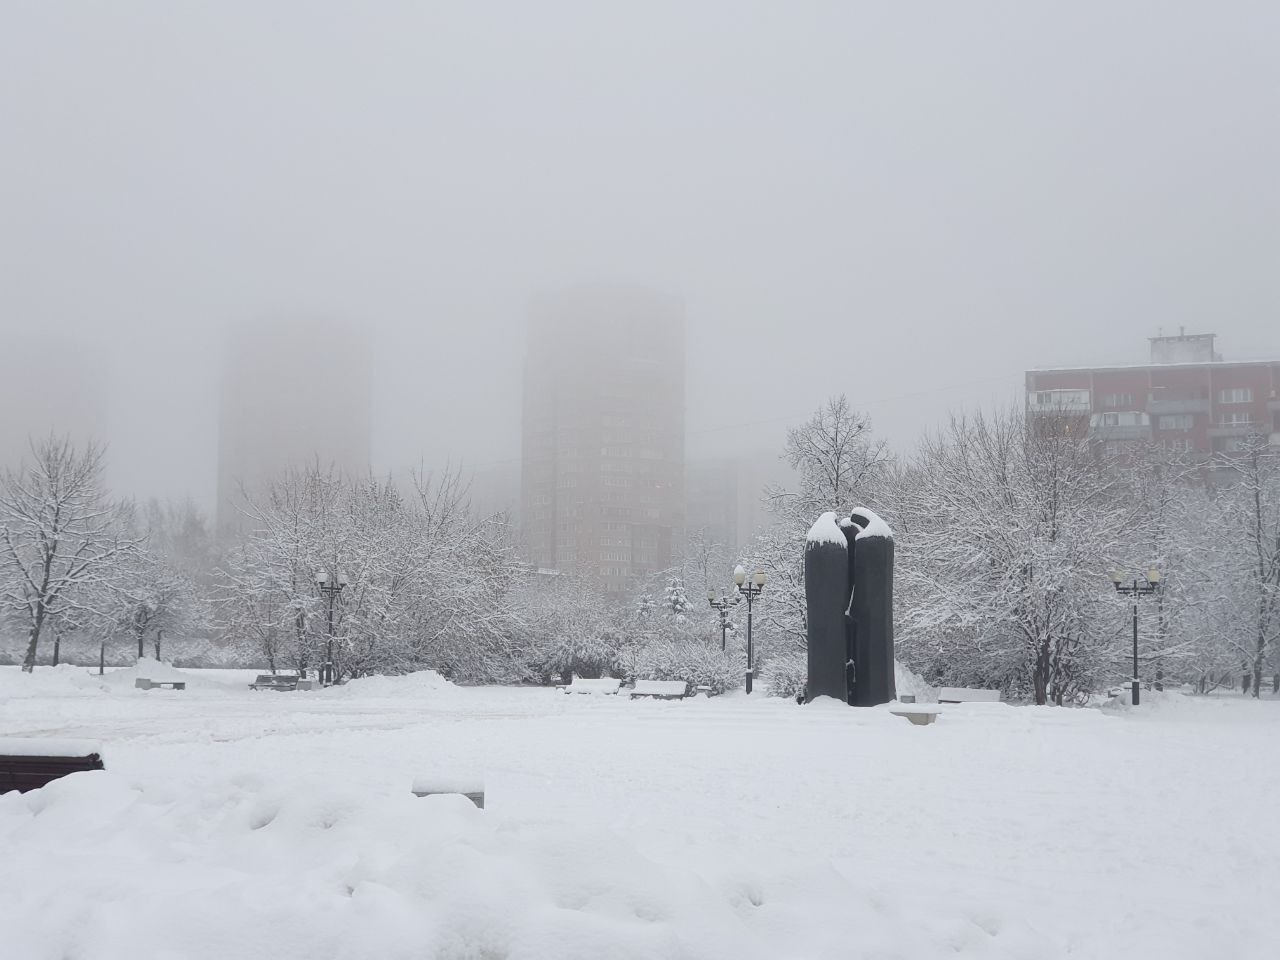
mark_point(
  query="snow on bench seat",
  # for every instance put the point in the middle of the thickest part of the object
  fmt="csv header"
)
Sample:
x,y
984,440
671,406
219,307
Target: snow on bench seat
x,y
47,747
605,685
919,714
433,786
661,689
967,695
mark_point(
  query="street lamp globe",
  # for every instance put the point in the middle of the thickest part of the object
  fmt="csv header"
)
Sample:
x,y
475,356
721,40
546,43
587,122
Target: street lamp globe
x,y
739,575
1153,576
759,578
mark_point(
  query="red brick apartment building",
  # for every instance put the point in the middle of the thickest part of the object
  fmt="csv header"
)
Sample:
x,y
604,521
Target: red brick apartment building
x,y
1186,398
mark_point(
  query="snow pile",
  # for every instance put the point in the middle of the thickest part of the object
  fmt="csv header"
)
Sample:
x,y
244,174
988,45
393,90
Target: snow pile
x,y
907,682
825,530
63,680
422,684
98,868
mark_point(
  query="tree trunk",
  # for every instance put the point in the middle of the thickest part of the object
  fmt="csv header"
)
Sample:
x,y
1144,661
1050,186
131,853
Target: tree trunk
x,y
159,634
29,661
1040,676
57,645
102,657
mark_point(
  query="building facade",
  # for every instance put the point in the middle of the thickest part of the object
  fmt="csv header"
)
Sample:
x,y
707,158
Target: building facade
x,y
1187,398
602,467
292,395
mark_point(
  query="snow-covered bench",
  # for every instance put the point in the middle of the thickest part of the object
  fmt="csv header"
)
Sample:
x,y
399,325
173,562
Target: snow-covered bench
x,y
919,714
605,685
279,681
29,764
142,683
660,689
473,790
967,695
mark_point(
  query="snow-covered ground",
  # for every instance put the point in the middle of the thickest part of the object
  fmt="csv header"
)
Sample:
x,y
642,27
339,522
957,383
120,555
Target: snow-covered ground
x,y
232,824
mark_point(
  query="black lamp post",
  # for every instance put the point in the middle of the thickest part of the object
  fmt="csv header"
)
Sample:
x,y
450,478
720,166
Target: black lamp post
x,y
749,589
1136,589
331,587
722,606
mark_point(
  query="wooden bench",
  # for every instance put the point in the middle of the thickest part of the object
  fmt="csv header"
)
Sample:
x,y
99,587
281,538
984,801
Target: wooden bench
x,y
30,764
967,695
660,689
142,683
605,686
437,786
279,681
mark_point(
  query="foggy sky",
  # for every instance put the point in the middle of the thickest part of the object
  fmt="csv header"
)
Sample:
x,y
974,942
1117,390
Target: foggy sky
x,y
909,203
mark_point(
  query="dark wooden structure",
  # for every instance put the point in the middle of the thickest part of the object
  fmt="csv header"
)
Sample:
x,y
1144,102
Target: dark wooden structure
x,y
31,771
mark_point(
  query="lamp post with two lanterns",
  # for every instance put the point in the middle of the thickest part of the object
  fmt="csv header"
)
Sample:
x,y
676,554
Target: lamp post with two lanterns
x,y
749,589
722,605
331,587
1136,589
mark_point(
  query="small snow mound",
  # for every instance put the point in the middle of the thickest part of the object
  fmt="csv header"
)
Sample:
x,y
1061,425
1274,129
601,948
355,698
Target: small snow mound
x,y
912,684
408,686
826,530
875,527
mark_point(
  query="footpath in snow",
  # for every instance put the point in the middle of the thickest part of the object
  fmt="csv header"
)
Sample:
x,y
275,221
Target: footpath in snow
x,y
233,824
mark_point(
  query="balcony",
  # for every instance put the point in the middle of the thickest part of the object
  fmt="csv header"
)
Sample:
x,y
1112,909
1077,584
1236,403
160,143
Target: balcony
x,y
1274,404
1233,429
1130,431
1275,439
1171,406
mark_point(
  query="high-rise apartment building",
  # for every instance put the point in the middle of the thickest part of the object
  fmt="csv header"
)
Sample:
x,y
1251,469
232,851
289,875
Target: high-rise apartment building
x,y
48,387
1186,398
292,394
602,479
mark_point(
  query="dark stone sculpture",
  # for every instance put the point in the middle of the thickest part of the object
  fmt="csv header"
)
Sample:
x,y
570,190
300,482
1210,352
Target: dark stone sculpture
x,y
849,596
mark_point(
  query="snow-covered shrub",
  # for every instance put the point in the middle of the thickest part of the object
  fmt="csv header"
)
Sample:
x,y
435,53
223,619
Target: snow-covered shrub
x,y
681,655
785,675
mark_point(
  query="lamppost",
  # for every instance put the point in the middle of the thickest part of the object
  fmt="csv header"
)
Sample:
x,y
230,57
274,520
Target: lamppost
x,y
723,605
1135,590
749,589
331,587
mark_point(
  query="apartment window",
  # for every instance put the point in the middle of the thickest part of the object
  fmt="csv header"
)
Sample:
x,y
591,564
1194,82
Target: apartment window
x,y
1236,395
1178,445
1239,419
1177,421
1111,420
1118,401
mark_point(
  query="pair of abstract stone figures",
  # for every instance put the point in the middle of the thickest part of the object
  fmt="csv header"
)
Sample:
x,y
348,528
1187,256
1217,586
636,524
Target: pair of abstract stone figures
x,y
848,585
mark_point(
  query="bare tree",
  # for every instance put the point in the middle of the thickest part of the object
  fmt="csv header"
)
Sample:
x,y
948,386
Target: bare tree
x,y
58,534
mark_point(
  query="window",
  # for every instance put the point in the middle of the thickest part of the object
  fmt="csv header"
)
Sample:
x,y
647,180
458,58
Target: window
x,y
1239,419
1118,401
1236,395
1177,421
1179,445
1111,419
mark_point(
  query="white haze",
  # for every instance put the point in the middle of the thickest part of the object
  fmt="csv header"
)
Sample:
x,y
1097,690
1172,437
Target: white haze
x,y
908,203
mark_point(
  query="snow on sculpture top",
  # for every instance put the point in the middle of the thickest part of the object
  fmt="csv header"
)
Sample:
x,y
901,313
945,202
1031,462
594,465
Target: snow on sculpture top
x,y
825,530
873,525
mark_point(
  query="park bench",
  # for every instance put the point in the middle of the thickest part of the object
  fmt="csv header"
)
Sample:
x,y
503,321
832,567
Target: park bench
x,y
919,714
142,683
279,681
605,685
29,764
660,689
435,786
967,695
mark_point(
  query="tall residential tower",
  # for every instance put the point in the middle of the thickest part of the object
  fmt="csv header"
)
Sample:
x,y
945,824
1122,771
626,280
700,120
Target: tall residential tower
x,y
293,394
602,480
